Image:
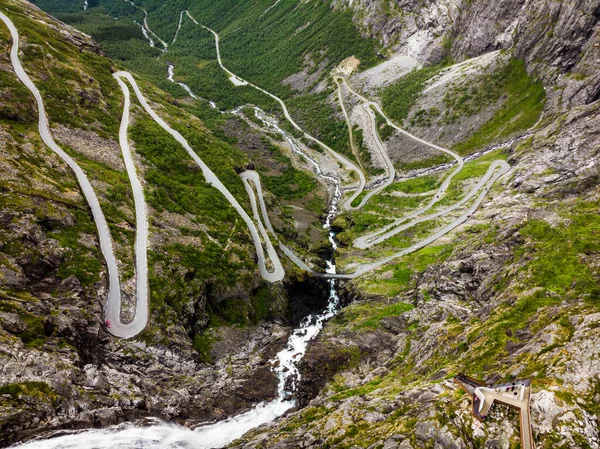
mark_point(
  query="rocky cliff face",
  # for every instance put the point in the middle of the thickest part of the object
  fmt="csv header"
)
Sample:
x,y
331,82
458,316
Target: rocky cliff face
x,y
555,39
517,297
59,367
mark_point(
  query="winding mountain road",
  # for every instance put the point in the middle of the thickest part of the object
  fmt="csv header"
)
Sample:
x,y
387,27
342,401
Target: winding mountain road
x,y
345,162
369,240
259,225
498,169
348,123
252,181
394,228
278,272
389,165
106,244
113,304
113,301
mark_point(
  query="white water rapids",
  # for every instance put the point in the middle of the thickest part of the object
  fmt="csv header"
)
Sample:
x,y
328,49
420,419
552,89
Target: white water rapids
x,y
162,435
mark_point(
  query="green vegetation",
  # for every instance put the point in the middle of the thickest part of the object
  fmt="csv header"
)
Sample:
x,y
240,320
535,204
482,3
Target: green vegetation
x,y
314,114
283,179
174,285
557,279
554,272
467,99
178,186
395,279
260,306
363,152
417,185
384,130
21,111
48,207
202,343
462,181
525,100
380,211
29,388
292,184
486,346
398,98
77,87
266,48
187,271
359,198
424,117
559,263
83,263
363,390
34,333
368,315
427,162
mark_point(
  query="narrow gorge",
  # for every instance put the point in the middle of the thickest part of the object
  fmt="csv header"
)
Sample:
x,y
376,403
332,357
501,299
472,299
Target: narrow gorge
x,y
316,224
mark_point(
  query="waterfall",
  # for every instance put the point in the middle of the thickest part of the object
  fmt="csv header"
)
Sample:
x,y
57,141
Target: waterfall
x,y
162,435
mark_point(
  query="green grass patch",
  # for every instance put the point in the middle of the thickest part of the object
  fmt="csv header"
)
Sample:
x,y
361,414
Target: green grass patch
x,y
292,184
560,252
175,183
438,159
525,101
368,315
344,393
398,98
29,388
202,343
384,130
403,274
83,263
359,198
417,185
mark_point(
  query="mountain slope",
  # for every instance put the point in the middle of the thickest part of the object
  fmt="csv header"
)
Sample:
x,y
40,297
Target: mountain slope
x,y
60,366
512,293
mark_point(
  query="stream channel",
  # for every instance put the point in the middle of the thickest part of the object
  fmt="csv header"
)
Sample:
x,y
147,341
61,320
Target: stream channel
x,y
161,435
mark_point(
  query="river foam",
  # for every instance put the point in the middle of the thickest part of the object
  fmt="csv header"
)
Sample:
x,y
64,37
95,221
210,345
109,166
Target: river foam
x,y
162,435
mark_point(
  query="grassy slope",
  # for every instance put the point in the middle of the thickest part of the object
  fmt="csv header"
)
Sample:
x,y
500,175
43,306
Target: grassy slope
x,y
523,102
398,98
174,184
59,64
264,48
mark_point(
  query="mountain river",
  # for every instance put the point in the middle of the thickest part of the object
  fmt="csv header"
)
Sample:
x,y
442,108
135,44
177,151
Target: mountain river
x,y
156,434
161,435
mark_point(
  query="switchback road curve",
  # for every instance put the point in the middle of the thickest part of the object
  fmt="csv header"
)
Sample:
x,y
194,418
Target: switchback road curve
x,y
113,301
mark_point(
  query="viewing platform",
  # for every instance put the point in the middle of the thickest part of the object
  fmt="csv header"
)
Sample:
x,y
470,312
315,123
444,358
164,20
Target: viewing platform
x,y
513,394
